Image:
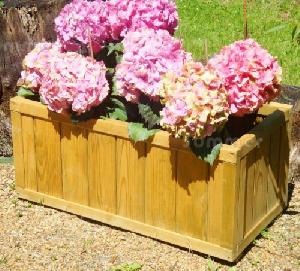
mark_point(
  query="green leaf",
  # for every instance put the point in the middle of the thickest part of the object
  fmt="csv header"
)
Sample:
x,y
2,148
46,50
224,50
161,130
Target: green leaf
x,y
115,47
206,149
276,28
1,4
148,115
127,267
118,114
25,92
137,132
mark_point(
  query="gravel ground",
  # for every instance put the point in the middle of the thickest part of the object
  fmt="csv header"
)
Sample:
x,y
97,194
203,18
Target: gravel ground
x,y
33,237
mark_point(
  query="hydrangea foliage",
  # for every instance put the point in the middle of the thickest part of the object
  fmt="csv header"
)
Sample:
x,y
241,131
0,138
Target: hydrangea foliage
x,y
251,76
195,102
148,55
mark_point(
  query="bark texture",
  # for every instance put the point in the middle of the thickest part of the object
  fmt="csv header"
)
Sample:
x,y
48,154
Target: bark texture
x,y
23,23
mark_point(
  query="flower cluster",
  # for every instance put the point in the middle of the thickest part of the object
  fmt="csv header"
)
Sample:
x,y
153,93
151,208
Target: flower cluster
x,y
250,75
65,80
148,55
99,22
36,63
195,102
82,22
130,15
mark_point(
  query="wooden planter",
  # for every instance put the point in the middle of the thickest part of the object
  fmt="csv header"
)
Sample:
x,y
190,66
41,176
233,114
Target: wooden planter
x,y
158,189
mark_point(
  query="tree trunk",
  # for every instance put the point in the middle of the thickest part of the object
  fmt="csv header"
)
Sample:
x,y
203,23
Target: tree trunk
x,y
23,23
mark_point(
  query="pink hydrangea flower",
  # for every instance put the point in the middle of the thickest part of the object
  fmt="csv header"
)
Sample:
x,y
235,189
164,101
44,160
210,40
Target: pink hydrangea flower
x,y
195,102
148,55
36,63
130,15
106,21
82,20
251,76
65,80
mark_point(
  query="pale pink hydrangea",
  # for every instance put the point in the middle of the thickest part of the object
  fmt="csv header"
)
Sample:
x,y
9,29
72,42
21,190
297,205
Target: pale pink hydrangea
x,y
82,21
195,102
251,76
65,80
130,15
148,55
36,63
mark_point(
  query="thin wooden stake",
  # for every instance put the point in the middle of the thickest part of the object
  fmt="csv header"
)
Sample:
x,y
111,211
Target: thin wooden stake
x,y
245,20
90,44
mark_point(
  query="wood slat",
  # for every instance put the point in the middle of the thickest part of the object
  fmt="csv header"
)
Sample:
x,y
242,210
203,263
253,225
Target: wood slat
x,y
131,179
48,157
191,195
273,169
249,191
29,153
284,164
221,210
160,184
102,172
18,148
261,180
74,163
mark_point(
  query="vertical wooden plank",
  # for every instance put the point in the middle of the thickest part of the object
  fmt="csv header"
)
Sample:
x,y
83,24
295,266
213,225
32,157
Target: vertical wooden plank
x,y
241,201
221,208
249,190
48,157
29,153
284,164
261,180
274,160
160,183
74,163
18,148
131,179
102,171
191,195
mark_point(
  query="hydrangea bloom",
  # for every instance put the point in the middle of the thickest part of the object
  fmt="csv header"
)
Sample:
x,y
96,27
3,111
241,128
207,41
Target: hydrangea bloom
x,y
82,20
111,20
130,15
195,102
66,80
148,55
36,63
250,75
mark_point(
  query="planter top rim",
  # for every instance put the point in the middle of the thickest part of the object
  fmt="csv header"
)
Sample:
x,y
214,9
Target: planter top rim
x,y
277,114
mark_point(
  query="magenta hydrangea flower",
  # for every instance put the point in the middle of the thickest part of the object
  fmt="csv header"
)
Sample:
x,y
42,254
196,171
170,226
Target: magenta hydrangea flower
x,y
65,80
82,21
107,21
130,15
251,76
195,102
148,55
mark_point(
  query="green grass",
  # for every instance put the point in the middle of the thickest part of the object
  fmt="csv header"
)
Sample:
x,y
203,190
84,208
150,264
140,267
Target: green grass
x,y
270,22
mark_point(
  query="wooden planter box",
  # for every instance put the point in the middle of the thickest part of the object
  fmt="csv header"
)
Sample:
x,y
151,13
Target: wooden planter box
x,y
158,189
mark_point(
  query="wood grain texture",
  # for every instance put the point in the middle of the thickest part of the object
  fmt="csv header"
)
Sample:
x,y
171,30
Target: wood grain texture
x,y
249,205
29,153
191,195
102,172
48,157
221,207
18,148
273,170
74,164
131,179
160,185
